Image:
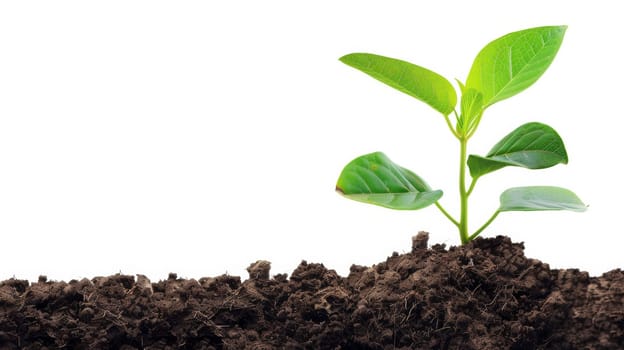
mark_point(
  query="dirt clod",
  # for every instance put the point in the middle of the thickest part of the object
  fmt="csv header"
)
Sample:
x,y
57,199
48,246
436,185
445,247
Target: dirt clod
x,y
484,295
420,240
259,270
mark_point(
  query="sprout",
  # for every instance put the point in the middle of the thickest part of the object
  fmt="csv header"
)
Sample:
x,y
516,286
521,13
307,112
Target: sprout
x,y
503,68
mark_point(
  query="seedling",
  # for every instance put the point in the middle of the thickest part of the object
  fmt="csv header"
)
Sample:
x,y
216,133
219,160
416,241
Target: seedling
x,y
503,68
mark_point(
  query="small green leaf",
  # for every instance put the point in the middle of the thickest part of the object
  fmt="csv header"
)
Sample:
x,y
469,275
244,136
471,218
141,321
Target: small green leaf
x,y
535,198
512,63
416,81
462,86
532,146
373,178
471,108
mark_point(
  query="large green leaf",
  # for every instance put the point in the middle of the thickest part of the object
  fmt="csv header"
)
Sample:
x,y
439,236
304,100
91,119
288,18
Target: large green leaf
x,y
532,146
535,198
416,81
373,178
512,63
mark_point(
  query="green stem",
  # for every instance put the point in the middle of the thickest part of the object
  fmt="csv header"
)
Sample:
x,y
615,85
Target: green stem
x,y
472,185
463,194
487,223
450,126
476,124
448,216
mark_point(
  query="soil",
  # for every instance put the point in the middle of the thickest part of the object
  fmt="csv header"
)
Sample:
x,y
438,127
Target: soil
x,y
484,295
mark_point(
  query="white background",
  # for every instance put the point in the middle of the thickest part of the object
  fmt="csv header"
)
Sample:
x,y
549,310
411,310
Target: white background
x,y
197,137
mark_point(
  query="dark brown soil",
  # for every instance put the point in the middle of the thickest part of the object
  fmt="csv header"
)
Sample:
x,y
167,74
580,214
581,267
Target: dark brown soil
x,y
485,295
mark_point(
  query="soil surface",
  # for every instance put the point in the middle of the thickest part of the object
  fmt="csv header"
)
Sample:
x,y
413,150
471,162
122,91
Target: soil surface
x,y
485,295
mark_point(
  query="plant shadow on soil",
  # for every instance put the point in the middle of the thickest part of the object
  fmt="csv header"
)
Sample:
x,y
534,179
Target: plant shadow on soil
x,y
484,295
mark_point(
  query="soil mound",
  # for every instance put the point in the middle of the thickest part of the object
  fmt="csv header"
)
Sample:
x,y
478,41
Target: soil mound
x,y
484,295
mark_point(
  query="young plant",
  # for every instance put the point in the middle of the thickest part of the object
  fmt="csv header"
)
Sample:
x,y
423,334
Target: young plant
x,y
503,68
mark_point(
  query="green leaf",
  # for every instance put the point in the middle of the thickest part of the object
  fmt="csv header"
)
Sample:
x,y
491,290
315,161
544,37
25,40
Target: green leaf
x,y
471,108
512,63
373,178
532,146
461,85
535,198
416,81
